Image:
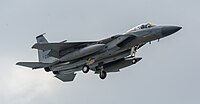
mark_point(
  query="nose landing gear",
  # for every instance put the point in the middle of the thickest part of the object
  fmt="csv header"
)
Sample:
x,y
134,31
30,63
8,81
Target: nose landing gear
x,y
134,50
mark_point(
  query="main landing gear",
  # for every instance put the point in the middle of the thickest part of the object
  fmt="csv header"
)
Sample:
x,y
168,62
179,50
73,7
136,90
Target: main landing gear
x,y
102,74
85,69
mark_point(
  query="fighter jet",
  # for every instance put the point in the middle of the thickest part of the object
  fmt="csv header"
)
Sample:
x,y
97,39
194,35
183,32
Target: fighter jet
x,y
104,56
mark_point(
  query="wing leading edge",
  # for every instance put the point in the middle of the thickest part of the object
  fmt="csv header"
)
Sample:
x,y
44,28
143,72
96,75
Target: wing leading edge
x,y
57,46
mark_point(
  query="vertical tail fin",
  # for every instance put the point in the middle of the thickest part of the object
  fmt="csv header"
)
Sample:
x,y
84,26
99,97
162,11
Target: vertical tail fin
x,y
43,55
41,39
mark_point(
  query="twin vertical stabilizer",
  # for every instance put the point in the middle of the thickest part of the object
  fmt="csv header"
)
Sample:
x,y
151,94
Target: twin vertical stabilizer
x,y
43,55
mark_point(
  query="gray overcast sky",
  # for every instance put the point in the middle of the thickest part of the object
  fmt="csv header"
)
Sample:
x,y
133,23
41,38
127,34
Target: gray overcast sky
x,y
169,72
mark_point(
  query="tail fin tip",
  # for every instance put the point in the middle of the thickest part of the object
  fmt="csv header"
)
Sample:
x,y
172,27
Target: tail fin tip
x,y
40,35
41,38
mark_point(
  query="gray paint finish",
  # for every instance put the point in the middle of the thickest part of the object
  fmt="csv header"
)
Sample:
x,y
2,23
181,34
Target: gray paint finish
x,y
163,76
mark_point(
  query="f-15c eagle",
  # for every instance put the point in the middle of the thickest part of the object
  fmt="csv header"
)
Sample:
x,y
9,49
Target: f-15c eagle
x,y
64,59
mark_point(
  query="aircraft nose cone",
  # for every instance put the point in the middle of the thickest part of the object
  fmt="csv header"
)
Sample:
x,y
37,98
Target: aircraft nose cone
x,y
168,30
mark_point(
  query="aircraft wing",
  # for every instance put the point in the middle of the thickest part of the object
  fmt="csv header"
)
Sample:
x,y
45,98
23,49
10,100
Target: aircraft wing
x,y
107,40
57,46
33,65
66,77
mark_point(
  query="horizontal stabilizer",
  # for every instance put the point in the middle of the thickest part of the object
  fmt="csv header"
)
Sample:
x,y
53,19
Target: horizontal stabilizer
x,y
66,77
33,65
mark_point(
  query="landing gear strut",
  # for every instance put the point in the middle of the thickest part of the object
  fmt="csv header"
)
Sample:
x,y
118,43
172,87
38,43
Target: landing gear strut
x,y
100,69
134,50
85,69
102,74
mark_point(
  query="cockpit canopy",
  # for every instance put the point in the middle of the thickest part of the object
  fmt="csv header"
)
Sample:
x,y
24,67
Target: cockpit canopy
x,y
141,26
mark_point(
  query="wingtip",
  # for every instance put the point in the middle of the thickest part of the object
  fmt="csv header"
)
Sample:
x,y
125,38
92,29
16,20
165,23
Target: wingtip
x,y
33,47
17,63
